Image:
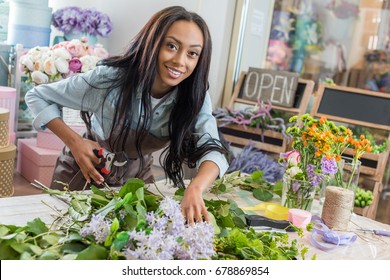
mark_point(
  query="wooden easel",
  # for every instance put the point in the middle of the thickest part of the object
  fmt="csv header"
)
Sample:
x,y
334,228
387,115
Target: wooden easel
x,y
265,140
367,109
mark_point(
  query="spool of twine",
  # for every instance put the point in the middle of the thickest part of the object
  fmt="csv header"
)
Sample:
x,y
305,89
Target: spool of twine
x,y
337,208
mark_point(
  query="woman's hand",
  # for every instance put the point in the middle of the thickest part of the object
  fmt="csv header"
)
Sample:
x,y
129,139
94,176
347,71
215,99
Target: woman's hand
x,y
192,205
81,149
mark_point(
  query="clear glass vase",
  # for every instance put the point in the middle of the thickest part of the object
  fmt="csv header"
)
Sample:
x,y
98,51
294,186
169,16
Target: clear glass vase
x,y
347,177
297,194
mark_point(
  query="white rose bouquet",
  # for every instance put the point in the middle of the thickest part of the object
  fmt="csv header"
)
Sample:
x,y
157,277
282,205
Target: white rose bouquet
x,y
48,64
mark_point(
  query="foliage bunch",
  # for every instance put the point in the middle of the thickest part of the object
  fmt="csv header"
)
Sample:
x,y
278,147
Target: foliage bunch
x,y
258,246
260,116
133,223
255,183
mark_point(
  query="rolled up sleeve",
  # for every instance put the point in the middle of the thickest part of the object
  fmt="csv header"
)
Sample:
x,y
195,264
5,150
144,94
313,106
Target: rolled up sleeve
x,y
207,125
47,100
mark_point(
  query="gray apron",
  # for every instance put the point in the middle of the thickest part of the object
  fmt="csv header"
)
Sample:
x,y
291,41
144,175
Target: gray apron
x,y
68,172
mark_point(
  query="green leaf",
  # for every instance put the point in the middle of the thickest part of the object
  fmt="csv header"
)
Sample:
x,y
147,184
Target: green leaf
x,y
99,200
114,226
93,252
139,193
51,238
3,230
120,241
224,210
257,175
49,255
151,202
7,252
131,186
278,188
108,208
263,195
76,215
217,230
98,191
73,248
37,226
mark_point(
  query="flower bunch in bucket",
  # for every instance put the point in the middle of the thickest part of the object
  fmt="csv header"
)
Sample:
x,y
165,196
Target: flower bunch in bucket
x,y
48,64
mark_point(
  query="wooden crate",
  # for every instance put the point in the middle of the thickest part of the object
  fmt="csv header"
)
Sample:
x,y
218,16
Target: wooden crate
x,y
267,140
364,108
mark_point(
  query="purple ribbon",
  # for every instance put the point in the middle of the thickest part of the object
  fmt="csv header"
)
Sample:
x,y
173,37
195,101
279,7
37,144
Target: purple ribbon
x,y
329,236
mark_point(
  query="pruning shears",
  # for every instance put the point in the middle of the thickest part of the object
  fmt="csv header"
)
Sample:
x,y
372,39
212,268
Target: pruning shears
x,y
108,159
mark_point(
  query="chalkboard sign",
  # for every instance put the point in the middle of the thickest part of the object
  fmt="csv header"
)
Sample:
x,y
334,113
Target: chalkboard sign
x,y
353,105
303,92
277,87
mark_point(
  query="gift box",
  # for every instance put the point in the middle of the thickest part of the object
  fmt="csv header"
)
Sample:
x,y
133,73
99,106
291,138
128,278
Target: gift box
x,y
4,127
8,100
7,163
48,140
36,163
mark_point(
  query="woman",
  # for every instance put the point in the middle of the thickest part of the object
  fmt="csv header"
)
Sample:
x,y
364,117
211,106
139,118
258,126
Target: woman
x,y
152,97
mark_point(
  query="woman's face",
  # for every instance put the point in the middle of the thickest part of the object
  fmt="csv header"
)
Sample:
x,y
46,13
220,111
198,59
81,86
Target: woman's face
x,y
178,56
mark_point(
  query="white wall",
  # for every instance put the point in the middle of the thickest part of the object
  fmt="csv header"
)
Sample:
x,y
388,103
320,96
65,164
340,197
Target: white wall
x,y
129,16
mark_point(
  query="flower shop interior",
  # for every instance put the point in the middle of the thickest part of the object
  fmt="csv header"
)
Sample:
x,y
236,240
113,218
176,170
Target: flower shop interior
x,y
285,74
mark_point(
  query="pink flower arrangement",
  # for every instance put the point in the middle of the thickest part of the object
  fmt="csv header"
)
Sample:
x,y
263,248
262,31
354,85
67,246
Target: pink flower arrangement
x,y
49,64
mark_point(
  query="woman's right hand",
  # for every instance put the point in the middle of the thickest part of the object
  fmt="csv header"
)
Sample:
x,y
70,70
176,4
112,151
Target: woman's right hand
x,y
81,149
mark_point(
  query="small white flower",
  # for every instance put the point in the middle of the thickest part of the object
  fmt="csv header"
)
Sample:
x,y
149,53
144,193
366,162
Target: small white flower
x,y
39,77
63,53
292,171
49,66
62,65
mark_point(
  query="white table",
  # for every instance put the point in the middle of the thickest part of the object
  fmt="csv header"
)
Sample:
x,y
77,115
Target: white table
x,y
21,209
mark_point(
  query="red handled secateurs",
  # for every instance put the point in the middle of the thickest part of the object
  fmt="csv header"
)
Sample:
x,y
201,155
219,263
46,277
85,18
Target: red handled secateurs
x,y
108,159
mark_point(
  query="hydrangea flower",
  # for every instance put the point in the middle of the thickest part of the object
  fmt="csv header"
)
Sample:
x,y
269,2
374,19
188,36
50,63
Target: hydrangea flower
x,y
168,237
77,20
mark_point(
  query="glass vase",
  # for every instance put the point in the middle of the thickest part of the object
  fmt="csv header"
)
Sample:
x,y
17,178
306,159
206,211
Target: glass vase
x,y
347,177
297,194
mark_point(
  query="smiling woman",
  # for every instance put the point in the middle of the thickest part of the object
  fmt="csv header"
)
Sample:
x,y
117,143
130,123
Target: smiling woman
x,y
178,56
152,97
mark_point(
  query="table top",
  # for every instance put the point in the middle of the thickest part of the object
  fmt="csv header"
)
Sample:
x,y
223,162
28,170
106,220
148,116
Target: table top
x,y
21,209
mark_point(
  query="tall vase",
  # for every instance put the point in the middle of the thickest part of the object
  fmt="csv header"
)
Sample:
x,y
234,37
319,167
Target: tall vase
x,y
297,194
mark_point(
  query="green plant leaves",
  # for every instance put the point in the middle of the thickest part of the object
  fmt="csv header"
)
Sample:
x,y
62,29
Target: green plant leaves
x,y
125,211
93,252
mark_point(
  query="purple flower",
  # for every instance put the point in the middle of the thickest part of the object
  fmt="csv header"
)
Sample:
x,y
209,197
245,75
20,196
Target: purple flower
x,y
295,186
170,238
314,178
97,227
329,166
75,19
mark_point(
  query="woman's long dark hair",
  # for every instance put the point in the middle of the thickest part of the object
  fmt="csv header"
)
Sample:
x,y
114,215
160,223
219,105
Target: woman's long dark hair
x,y
138,68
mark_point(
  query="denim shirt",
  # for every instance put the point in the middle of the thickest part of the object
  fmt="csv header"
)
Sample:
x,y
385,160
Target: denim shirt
x,y
46,102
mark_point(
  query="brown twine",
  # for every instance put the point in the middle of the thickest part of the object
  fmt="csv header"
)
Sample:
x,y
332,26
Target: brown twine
x,y
337,208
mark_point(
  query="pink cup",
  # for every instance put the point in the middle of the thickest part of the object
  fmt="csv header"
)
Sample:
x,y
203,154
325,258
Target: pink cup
x,y
299,217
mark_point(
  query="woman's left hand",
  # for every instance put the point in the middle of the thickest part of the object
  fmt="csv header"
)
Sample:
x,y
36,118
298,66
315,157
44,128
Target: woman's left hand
x,y
192,205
